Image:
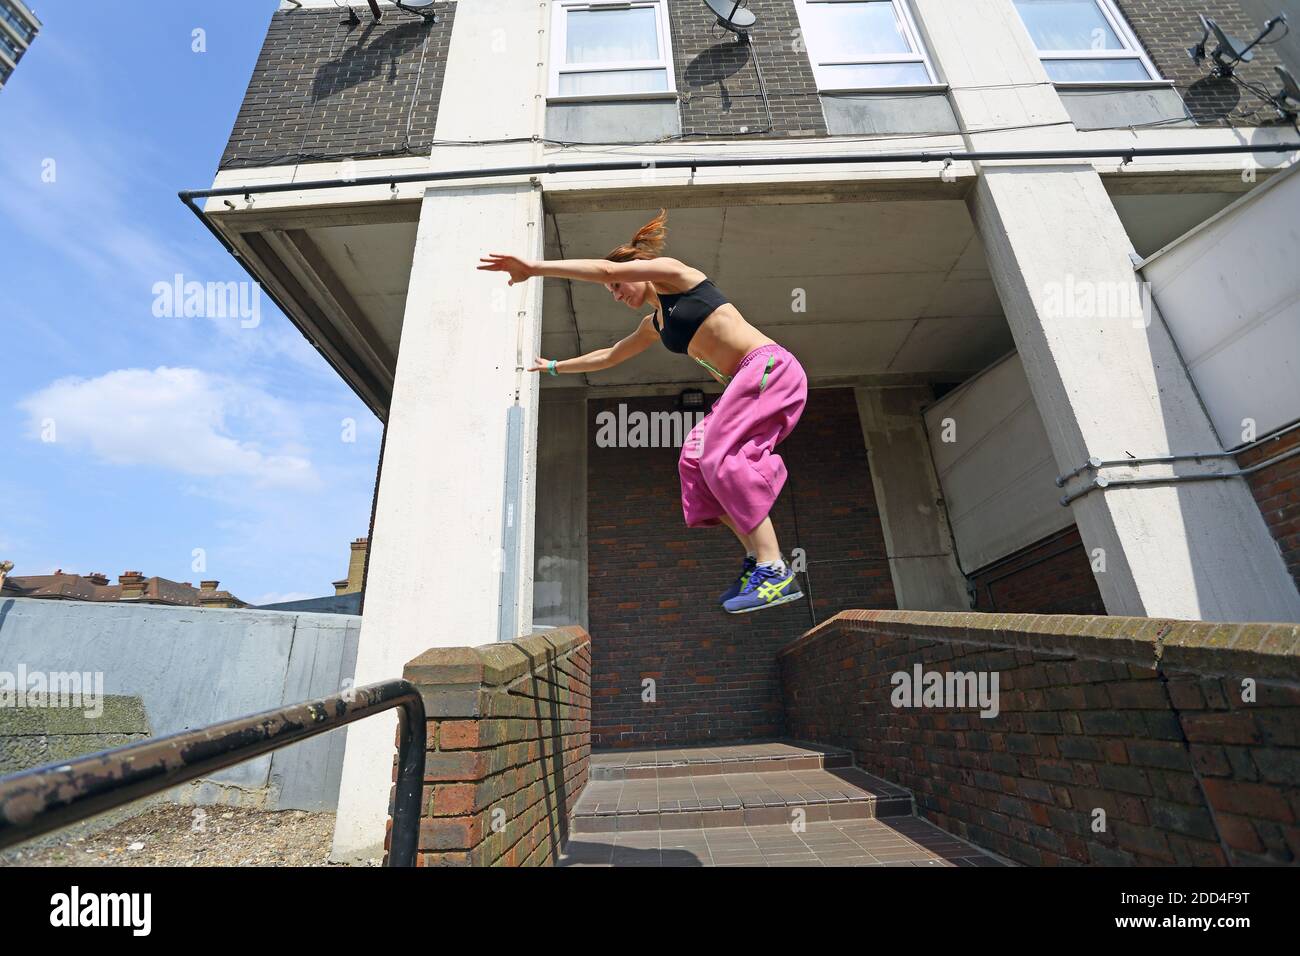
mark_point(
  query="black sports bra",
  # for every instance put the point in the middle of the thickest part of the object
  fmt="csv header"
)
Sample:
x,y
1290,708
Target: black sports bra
x,y
685,312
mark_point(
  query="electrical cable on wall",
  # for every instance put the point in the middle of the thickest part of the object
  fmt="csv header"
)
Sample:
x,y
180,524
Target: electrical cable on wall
x,y
609,148
419,78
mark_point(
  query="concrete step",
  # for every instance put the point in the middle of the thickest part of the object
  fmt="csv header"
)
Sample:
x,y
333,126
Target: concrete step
x,y
890,841
737,799
760,757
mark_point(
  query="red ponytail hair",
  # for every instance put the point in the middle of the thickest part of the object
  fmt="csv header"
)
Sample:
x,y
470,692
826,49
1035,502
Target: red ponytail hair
x,y
648,242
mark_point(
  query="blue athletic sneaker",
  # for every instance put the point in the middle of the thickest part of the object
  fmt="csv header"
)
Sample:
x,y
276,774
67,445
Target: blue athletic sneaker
x,y
765,588
746,569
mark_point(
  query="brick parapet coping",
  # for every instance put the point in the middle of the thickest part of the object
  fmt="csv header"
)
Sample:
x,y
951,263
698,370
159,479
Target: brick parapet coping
x,y
1202,647
1114,741
509,742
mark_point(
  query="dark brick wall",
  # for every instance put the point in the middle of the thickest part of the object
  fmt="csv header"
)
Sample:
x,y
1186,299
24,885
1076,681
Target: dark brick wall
x,y
1186,770
653,582
1052,576
718,83
1167,28
325,91
1277,491
322,90
508,747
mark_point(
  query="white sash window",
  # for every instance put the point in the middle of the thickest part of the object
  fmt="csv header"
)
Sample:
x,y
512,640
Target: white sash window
x,y
863,44
1085,41
610,50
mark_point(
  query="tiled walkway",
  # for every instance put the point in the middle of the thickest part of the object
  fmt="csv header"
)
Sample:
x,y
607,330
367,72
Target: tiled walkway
x,y
769,803
735,799
895,841
731,758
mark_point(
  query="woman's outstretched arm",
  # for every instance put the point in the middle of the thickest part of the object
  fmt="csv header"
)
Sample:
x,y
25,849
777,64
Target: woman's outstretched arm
x,y
661,269
616,354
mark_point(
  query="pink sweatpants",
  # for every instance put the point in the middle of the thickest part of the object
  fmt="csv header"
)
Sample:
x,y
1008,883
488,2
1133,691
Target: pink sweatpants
x,y
728,463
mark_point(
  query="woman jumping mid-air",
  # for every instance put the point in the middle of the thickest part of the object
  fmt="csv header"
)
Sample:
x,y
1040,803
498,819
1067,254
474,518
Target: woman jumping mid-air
x,y
729,468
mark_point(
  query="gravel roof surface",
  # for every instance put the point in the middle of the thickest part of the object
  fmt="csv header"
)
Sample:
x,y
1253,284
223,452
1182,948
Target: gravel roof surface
x,y
169,835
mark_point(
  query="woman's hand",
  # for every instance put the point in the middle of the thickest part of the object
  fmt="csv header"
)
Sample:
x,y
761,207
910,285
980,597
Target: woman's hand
x,y
519,269
540,365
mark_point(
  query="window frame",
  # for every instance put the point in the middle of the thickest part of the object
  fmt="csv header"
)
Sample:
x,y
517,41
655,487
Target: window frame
x,y
911,34
11,50
559,36
1123,31
17,24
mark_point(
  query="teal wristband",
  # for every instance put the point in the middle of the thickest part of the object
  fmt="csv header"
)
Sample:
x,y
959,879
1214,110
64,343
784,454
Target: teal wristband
x,y
551,368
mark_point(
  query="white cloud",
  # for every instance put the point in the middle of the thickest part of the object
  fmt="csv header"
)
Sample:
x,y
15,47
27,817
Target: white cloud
x,y
182,420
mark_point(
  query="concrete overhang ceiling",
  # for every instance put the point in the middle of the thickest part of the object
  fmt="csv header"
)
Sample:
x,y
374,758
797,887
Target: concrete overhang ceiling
x,y
894,291
890,291
343,272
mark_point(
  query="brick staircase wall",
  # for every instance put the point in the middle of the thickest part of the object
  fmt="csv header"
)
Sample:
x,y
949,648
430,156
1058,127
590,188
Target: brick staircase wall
x,y
654,582
509,742
1277,492
1052,576
1117,740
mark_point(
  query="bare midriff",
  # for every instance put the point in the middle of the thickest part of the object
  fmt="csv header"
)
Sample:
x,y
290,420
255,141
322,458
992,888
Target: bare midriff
x,y
723,340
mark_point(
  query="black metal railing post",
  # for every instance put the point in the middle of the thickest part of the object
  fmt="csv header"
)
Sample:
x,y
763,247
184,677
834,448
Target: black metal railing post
x,y
46,798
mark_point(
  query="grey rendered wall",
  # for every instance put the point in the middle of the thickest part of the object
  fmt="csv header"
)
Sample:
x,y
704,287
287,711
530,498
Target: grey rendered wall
x,y
560,538
1287,44
997,473
192,667
329,604
1111,109
863,114
619,121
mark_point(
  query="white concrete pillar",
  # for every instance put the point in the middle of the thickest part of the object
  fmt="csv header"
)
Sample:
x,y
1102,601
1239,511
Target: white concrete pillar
x,y
1106,384
441,524
917,539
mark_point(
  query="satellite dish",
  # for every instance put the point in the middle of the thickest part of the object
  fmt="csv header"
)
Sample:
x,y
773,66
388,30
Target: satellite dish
x,y
422,7
1227,54
1287,101
1290,88
1238,51
732,15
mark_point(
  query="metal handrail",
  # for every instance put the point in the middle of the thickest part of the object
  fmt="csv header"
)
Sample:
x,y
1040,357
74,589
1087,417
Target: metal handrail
x,y
46,798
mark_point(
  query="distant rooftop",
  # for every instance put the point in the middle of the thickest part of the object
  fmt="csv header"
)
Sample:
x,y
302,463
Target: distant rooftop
x,y
131,587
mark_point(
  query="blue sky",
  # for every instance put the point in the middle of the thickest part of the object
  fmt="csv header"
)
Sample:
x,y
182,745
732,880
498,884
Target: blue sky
x,y
130,440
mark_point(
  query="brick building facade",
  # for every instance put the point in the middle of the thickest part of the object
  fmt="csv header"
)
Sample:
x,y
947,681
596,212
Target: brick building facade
x,y
324,89
722,93
1167,30
822,209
